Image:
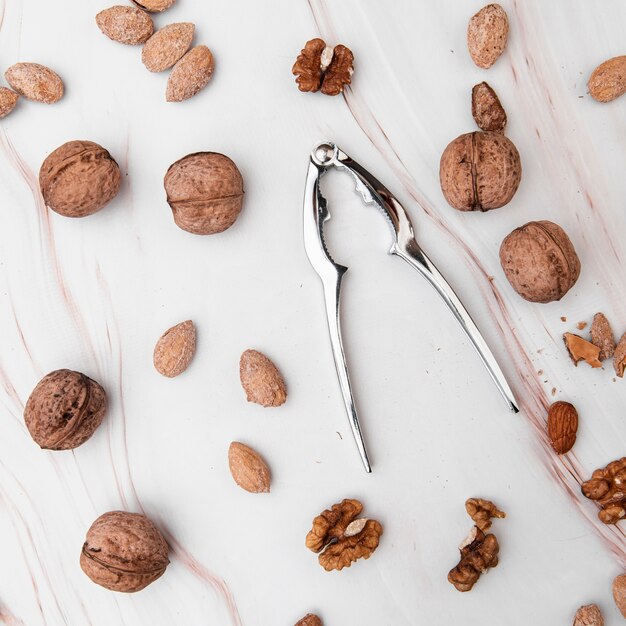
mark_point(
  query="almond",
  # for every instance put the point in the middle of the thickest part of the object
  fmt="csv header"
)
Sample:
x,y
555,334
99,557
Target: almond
x,y
8,100
35,82
562,426
608,80
248,469
588,615
487,34
154,6
619,358
602,336
487,111
175,349
125,24
582,350
167,46
619,593
261,379
191,74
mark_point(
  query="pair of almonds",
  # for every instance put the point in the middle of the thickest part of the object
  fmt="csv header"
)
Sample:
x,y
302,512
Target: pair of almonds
x,y
32,81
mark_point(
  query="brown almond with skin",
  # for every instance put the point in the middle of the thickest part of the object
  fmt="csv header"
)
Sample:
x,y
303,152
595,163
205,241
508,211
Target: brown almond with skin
x,y
8,100
261,379
619,593
191,74
588,615
167,46
608,80
582,350
619,358
35,82
487,111
562,426
487,35
154,6
175,349
248,468
602,336
310,620
125,25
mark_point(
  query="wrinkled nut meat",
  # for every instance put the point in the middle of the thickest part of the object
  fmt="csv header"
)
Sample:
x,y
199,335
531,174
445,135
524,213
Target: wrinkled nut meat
x,y
205,192
248,468
487,34
619,593
310,620
562,426
35,82
607,487
608,80
580,349
175,349
167,46
619,358
482,511
154,6
64,410
540,261
319,66
190,74
487,111
588,615
8,100
479,552
602,336
79,178
124,552
337,547
261,379
126,25
480,171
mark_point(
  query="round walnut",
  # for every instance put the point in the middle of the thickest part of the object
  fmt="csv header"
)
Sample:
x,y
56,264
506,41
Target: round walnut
x,y
79,178
124,552
540,261
64,410
480,171
205,192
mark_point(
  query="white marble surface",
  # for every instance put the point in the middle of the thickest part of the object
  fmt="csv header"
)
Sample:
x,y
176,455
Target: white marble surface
x,y
95,294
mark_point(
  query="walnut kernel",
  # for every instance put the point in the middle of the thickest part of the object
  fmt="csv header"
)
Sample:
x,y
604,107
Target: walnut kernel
x,y
607,487
481,511
479,552
320,67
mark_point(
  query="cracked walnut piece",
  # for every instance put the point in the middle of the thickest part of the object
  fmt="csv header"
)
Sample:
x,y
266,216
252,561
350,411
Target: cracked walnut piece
x,y
481,511
332,535
479,552
319,66
608,488
310,620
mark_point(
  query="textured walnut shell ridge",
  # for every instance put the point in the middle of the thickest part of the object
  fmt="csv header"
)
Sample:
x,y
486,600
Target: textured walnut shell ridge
x,y
64,410
261,379
205,192
79,178
191,74
125,25
167,46
35,82
480,171
540,261
124,552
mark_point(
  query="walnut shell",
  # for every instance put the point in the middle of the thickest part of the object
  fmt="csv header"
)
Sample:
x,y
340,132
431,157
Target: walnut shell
x,y
540,261
205,192
64,410
79,178
480,171
124,552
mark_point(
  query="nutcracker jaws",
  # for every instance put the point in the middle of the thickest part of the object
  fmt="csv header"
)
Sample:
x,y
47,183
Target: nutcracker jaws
x,y
324,156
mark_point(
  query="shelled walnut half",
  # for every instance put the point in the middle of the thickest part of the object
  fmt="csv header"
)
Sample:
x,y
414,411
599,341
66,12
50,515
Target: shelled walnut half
x,y
481,511
320,67
479,552
607,487
341,537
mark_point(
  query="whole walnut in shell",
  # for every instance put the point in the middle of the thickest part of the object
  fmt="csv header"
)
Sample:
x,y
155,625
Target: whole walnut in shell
x,y
79,178
205,192
480,171
64,410
540,261
124,552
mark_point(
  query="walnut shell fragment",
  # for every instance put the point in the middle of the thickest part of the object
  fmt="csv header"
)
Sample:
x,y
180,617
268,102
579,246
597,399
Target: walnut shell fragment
x,y
482,511
310,620
582,350
608,80
619,358
125,25
480,171
124,552
167,46
191,74
487,34
320,67
248,468
64,410
261,379
338,547
79,178
35,82
205,192
606,488
619,593
562,426
588,615
175,349
479,553
602,336
154,6
540,261
487,111
8,100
